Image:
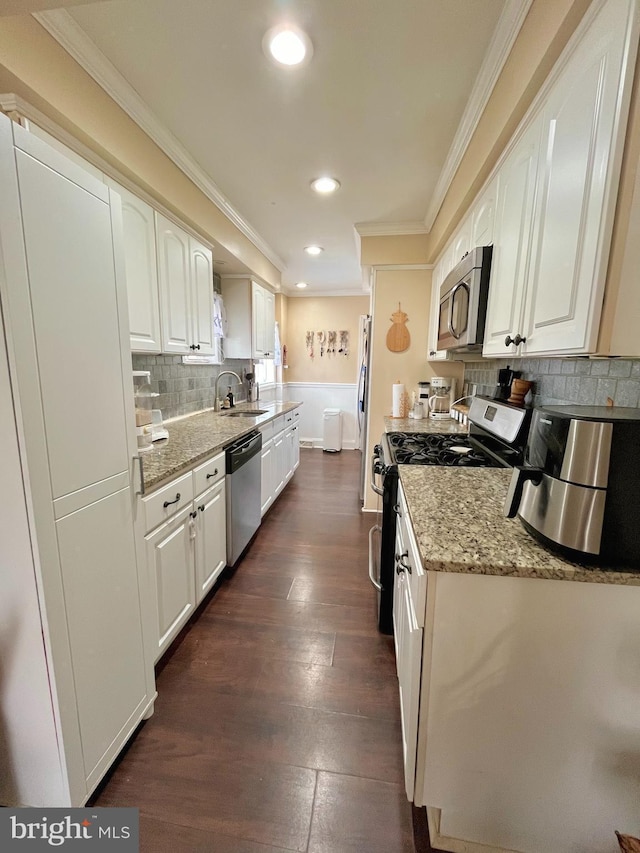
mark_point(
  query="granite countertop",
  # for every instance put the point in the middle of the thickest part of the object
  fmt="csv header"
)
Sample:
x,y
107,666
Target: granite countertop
x,y
194,438
432,425
456,514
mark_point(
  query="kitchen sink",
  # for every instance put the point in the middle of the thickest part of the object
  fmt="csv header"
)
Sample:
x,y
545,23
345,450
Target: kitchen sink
x,y
251,414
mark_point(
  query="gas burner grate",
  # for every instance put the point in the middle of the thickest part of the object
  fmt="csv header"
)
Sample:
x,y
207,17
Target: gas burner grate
x,y
437,449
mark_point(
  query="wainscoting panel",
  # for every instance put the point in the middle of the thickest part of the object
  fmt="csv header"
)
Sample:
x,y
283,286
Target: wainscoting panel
x,y
318,396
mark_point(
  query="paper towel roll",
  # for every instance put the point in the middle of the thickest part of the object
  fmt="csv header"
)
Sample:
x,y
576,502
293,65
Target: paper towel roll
x,y
397,409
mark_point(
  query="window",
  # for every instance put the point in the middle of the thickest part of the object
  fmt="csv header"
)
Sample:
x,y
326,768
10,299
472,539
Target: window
x,y
265,371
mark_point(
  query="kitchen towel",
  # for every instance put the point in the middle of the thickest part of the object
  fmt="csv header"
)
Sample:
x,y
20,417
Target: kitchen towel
x,y
277,350
219,316
398,409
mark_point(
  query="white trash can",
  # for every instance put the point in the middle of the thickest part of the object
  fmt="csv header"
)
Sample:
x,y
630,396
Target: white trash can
x,y
332,431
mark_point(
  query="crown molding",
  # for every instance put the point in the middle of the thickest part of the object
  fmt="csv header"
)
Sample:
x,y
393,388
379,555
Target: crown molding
x,y
509,25
302,294
63,28
390,229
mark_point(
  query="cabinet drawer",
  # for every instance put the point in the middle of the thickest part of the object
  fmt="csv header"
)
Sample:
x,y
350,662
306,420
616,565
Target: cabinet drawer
x,y
267,432
278,424
209,473
168,500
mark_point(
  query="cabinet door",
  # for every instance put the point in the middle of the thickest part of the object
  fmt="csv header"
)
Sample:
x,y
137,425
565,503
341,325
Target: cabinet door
x,y
267,484
102,604
259,343
461,242
170,560
174,279
142,272
68,237
269,323
514,215
296,446
438,276
288,454
211,538
202,298
279,463
577,192
407,637
482,217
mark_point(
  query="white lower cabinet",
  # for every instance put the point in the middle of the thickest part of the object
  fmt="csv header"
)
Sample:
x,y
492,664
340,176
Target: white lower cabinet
x,y
280,455
408,620
266,487
187,553
210,538
170,558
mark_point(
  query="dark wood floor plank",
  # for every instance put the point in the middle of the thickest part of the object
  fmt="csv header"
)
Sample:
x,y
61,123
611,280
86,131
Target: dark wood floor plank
x,y
225,727
234,607
182,783
350,592
360,692
279,642
160,836
362,653
353,815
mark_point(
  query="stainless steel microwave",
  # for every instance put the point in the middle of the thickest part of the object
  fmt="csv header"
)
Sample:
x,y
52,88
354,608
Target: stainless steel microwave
x,y
463,302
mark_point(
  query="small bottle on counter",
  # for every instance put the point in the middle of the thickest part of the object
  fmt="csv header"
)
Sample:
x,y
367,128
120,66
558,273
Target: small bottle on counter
x,y
230,397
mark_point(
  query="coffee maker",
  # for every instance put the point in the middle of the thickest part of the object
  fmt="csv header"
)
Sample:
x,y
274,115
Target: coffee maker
x,y
439,403
579,490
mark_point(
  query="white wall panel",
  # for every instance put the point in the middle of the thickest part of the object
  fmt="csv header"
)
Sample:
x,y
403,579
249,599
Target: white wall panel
x,y
318,396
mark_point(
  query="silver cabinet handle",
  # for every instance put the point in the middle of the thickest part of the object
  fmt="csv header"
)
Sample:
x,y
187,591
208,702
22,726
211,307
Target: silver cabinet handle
x,y
138,459
375,529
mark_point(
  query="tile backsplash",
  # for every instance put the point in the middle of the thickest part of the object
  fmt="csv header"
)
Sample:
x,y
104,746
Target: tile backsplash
x,y
558,381
186,388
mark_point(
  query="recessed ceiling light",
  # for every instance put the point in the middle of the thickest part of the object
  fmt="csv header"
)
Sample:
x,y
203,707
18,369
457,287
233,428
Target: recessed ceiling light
x,y
325,185
287,45
313,250
301,284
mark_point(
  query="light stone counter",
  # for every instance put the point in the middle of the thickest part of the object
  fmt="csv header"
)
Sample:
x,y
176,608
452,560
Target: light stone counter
x,y
194,438
457,518
439,427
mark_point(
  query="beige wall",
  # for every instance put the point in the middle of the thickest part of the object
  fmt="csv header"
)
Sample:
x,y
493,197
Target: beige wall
x,y
396,249
412,288
322,313
35,67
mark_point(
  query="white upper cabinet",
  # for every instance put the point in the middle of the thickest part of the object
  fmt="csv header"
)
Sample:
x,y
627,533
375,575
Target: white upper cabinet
x,y
185,272
548,279
142,272
263,321
437,277
514,214
201,297
251,321
483,215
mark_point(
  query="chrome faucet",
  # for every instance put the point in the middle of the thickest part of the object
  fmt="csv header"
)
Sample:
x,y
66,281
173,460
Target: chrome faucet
x,y
216,407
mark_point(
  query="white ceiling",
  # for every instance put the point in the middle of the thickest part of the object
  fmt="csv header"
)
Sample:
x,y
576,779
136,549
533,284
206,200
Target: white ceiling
x,y
378,107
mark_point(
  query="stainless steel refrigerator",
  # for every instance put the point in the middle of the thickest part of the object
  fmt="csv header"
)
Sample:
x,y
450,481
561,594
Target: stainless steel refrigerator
x,y
364,379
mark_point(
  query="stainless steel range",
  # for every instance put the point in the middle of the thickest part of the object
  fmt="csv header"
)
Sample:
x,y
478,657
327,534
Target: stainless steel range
x,y
497,438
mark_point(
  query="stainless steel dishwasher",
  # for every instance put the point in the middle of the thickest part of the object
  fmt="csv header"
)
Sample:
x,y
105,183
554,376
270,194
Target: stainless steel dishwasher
x,y
243,486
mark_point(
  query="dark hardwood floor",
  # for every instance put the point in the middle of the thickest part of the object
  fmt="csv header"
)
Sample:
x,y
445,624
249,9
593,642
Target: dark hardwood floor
x,y
277,721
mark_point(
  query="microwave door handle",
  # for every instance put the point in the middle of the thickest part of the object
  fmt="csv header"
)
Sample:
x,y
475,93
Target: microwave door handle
x,y
453,332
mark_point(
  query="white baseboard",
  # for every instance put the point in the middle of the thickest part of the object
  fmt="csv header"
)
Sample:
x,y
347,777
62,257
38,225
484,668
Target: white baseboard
x,y
348,444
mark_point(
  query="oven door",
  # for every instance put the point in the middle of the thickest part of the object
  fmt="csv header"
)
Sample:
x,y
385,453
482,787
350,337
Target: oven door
x,y
384,482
